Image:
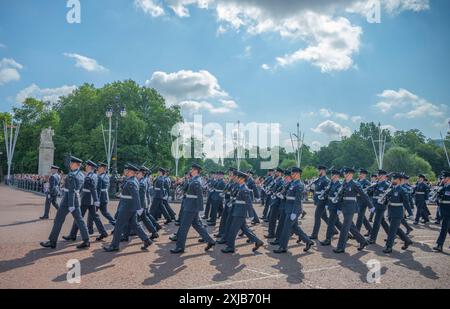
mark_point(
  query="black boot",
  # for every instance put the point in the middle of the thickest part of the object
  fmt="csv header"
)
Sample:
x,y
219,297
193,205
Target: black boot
x,y
257,246
279,251
325,243
176,250
387,250
308,246
147,243
48,244
69,238
154,236
84,245
103,236
110,249
210,245
438,248
363,245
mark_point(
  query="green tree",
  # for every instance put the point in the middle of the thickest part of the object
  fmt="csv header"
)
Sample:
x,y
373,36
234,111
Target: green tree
x,y
401,160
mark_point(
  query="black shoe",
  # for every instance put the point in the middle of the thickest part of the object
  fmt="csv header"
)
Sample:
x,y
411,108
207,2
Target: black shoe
x,y
201,240
147,243
308,246
69,238
90,232
416,222
124,239
408,231
48,244
112,232
279,251
154,236
269,236
299,240
167,222
337,233
227,250
325,243
249,241
204,217
387,250
103,236
274,243
338,251
221,241
211,224
367,234
210,245
110,249
257,246
113,223
303,215
363,245
241,234
84,245
313,237
216,235
158,227
43,217
177,223
406,245
370,241
438,248
255,222
176,250
173,237
350,236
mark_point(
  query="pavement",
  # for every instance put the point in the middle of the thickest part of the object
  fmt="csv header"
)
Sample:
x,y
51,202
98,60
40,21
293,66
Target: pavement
x,y
24,264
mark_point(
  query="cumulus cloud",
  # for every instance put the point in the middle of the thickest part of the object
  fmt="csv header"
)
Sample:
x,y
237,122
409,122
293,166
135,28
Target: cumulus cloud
x,y
315,146
193,91
327,113
330,39
9,70
405,104
46,94
85,63
332,129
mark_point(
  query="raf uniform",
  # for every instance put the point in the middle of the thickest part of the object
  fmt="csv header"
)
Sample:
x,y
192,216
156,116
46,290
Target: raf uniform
x,y
190,216
362,207
255,195
281,207
379,209
320,214
210,186
127,214
229,191
267,184
216,200
397,199
167,186
348,197
274,211
239,212
102,191
444,204
70,203
421,192
89,202
53,191
334,207
157,203
292,211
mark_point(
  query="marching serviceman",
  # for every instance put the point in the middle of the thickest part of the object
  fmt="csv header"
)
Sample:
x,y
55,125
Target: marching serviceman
x,y
282,195
127,215
443,197
396,200
229,193
70,203
333,205
167,186
320,214
347,195
239,213
210,189
371,191
292,211
274,212
157,207
89,203
379,209
409,208
255,196
53,191
362,207
190,216
420,194
267,184
102,190
216,199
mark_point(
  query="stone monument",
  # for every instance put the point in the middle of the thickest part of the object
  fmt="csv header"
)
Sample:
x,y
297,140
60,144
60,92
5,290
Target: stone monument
x,y
46,151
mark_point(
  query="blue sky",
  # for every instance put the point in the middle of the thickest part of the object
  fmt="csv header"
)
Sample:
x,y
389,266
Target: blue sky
x,y
318,62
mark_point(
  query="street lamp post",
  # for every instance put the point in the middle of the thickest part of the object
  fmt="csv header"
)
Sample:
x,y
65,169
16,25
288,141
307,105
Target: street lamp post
x,y
112,144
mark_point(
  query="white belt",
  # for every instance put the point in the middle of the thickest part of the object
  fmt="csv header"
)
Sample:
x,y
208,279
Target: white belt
x,y
126,197
67,190
318,193
240,202
290,198
158,189
104,190
420,192
191,196
395,204
444,202
86,190
349,198
377,197
220,191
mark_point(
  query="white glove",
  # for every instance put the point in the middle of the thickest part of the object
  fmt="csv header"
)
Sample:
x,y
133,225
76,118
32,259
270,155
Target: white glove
x,y
97,204
372,210
71,209
339,212
293,216
140,211
258,200
326,206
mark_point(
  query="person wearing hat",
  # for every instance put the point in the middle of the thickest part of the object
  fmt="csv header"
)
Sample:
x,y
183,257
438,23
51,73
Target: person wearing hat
x,y
292,211
378,209
362,207
184,186
443,199
267,184
212,178
157,208
229,193
53,191
421,192
239,212
397,200
279,229
89,203
320,184
70,203
409,209
165,201
274,212
103,195
334,208
190,216
216,198
254,195
127,217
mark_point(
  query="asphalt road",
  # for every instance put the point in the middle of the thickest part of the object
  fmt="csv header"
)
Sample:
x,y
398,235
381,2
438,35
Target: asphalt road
x,y
24,264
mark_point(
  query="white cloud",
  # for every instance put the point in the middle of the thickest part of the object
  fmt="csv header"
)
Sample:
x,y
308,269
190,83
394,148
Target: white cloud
x,y
342,116
150,7
389,127
86,63
406,104
315,146
332,129
47,94
325,112
193,91
357,119
265,66
9,70
2,45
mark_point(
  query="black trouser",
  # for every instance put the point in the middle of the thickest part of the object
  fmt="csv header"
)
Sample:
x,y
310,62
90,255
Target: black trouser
x,y
95,218
104,211
50,200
